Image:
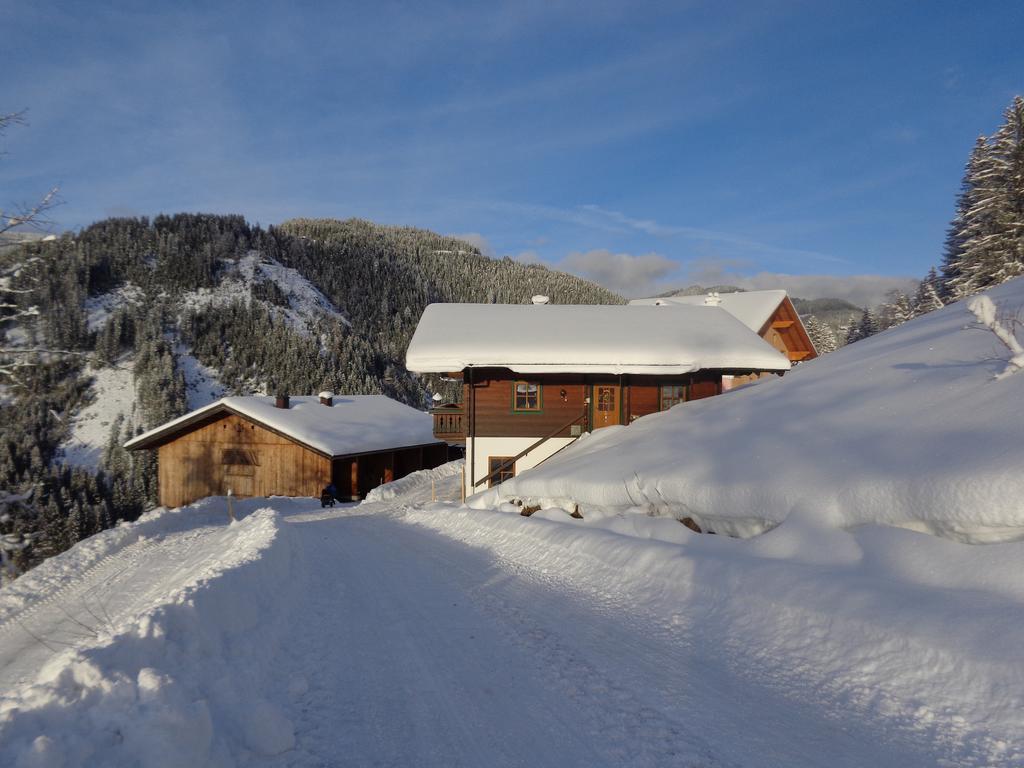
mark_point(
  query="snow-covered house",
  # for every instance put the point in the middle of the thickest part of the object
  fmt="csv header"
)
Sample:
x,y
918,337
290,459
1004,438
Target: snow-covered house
x,y
290,446
770,314
535,377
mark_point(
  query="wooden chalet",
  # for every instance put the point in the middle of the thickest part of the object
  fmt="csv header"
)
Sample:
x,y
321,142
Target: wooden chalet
x,y
770,314
535,378
290,446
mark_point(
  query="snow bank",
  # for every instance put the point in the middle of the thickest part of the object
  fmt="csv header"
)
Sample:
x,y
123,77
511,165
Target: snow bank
x,y
404,485
190,682
56,572
907,428
914,635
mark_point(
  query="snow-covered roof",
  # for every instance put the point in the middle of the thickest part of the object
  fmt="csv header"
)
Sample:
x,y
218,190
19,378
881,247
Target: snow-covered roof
x,y
531,338
353,424
752,308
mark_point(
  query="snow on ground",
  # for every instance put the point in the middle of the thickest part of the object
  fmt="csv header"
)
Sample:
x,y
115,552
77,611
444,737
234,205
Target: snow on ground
x,y
113,392
438,635
907,428
152,655
305,301
418,481
202,383
99,308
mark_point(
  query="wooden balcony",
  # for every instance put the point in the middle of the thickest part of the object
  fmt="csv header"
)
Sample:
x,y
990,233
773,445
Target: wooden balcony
x,y
449,424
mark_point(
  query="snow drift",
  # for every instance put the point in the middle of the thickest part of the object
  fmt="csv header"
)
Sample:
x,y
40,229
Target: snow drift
x,y
189,682
908,428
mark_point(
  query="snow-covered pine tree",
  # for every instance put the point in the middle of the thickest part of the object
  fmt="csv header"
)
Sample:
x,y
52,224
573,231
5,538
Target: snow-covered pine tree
x,y
985,243
896,311
927,298
865,327
823,337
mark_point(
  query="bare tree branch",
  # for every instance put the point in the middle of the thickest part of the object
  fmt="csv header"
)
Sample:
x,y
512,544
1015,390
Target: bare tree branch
x,y
30,215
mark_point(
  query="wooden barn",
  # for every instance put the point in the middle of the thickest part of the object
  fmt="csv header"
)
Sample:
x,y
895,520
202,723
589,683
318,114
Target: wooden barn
x,y
537,377
290,446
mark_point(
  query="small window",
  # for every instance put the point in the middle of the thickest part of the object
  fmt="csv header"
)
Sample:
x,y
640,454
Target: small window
x,y
606,398
500,468
239,457
671,395
526,396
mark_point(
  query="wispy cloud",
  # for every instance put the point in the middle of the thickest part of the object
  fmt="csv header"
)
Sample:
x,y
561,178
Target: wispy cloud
x,y
627,274
862,290
595,217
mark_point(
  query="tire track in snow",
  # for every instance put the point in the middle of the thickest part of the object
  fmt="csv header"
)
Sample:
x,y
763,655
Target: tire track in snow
x,y
109,592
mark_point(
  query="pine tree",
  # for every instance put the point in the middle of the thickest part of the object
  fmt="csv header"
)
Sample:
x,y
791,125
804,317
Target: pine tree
x,y
823,337
927,298
865,327
985,243
896,311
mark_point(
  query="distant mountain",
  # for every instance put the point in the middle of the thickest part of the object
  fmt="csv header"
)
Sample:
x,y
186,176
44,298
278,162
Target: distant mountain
x,y
11,240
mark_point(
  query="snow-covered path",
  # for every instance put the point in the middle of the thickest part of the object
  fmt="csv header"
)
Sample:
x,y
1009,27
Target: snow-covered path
x,y
427,652
119,586
364,636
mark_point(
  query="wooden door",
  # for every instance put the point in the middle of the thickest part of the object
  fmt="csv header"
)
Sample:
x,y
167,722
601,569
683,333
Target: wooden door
x,y
607,405
240,484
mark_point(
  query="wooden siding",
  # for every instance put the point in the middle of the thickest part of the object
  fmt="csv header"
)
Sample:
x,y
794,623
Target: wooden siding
x,y
640,395
786,333
492,404
191,467
643,399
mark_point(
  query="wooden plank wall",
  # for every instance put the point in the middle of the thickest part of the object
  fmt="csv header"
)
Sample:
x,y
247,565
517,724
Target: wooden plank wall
x,y
494,414
641,395
192,467
785,332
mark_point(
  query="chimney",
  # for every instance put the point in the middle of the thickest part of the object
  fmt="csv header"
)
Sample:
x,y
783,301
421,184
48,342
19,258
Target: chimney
x,y
539,299
282,401
327,398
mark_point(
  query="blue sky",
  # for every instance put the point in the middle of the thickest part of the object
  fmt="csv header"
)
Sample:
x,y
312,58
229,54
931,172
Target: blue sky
x,y
645,145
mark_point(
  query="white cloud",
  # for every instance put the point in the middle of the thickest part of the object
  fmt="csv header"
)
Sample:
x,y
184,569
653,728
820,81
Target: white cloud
x,y
858,289
530,256
624,273
481,242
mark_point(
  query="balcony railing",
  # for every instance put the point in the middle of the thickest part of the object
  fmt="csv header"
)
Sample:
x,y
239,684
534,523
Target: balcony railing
x,y
449,424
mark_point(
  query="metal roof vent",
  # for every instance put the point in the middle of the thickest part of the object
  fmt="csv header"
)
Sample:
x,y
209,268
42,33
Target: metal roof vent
x,y
712,299
540,299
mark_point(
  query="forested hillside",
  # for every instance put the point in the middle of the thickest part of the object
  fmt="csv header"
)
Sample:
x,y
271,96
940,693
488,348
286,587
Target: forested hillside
x,y
143,319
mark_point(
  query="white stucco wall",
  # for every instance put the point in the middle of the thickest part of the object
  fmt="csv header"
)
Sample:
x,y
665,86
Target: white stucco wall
x,y
507,446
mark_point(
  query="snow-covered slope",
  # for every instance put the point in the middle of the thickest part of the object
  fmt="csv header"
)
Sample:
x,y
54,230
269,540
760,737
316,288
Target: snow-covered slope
x,y
113,391
907,428
305,301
